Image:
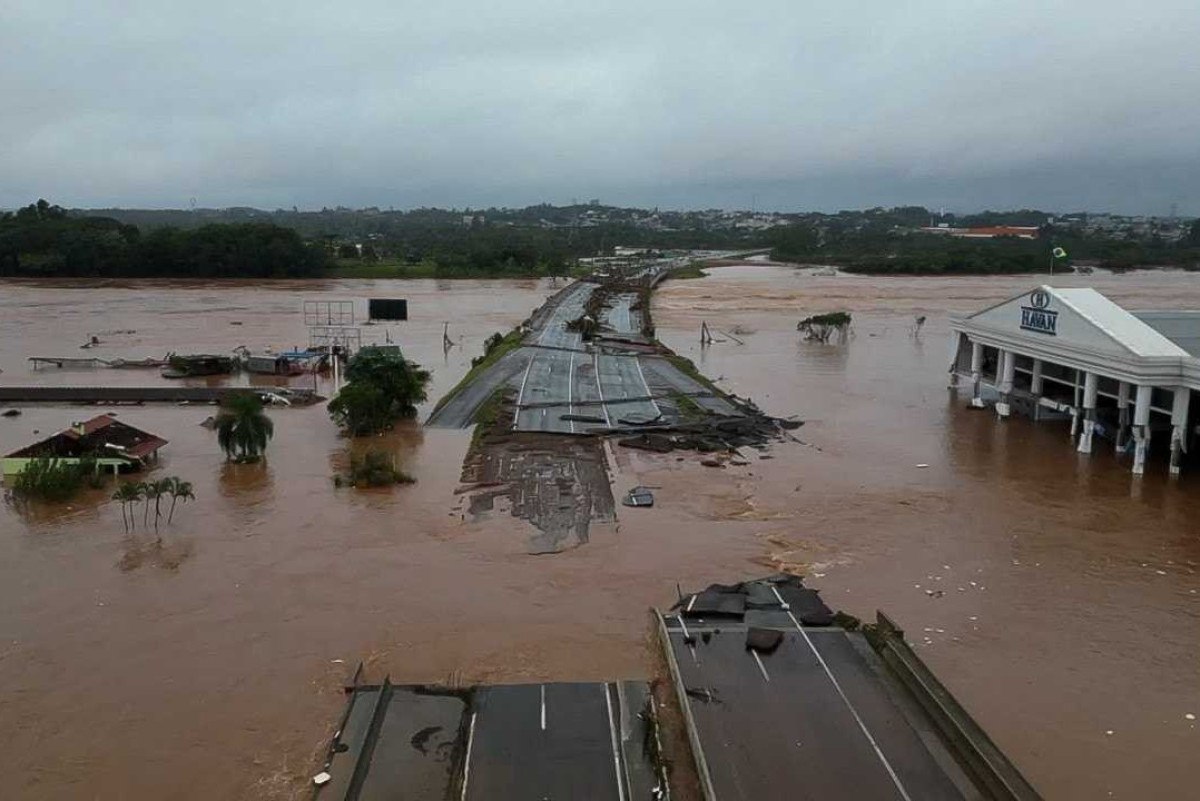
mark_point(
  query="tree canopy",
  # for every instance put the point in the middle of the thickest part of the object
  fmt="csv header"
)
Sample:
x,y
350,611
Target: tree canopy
x,y
43,240
243,428
382,387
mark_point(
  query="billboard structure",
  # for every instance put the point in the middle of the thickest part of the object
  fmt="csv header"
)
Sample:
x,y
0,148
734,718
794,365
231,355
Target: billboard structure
x,y
338,313
387,309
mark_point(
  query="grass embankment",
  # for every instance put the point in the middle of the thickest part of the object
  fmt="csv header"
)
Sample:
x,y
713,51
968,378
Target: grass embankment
x,y
689,410
685,366
692,270
487,415
494,351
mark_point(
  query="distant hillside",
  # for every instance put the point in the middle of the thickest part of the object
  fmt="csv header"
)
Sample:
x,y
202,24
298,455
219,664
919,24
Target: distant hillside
x,y
44,240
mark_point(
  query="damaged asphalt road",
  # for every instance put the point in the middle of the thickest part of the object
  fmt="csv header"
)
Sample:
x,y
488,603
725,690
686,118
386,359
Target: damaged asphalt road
x,y
588,367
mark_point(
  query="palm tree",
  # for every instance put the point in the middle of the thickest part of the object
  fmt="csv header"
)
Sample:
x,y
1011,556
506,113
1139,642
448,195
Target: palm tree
x,y
158,489
243,428
145,493
179,489
126,494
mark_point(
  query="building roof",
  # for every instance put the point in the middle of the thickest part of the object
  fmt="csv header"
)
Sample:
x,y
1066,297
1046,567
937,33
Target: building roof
x,y
1180,326
103,435
1137,336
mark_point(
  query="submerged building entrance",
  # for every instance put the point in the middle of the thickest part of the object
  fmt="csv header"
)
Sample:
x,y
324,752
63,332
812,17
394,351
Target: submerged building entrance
x,y
1125,377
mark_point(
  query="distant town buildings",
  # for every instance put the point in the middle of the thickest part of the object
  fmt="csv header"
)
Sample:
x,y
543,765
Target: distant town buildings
x,y
985,232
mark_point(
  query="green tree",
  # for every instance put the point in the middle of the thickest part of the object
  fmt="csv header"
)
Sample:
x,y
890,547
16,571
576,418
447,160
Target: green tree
x,y
361,408
127,493
145,493
48,479
243,428
179,490
157,490
382,387
1193,236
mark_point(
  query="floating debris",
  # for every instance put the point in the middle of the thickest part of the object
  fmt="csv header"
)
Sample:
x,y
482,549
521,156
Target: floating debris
x,y
639,496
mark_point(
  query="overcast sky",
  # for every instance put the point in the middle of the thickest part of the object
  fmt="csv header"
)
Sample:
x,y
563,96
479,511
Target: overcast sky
x,y
789,104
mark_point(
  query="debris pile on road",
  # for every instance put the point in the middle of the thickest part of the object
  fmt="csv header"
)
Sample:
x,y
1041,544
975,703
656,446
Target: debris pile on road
x,y
713,434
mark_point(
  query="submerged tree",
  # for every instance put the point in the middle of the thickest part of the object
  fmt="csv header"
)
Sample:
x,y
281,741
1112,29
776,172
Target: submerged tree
x,y
382,387
158,489
127,494
49,479
180,489
145,493
243,428
375,468
824,327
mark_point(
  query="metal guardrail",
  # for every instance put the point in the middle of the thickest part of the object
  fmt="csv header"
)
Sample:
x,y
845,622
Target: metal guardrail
x,y
995,776
706,786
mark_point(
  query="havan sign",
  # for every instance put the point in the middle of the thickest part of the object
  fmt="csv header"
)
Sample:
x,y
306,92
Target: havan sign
x,y
1037,317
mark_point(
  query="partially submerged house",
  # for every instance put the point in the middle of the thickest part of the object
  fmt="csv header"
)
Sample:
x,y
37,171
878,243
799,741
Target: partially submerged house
x,y
115,446
1055,352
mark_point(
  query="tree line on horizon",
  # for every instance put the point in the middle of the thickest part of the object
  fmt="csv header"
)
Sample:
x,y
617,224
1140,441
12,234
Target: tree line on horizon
x,y
45,240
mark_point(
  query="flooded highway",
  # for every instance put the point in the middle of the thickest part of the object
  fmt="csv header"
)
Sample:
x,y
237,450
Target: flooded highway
x,y
1053,593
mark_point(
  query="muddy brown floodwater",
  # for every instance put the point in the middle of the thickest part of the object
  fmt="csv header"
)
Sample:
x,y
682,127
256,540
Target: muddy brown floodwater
x,y
210,666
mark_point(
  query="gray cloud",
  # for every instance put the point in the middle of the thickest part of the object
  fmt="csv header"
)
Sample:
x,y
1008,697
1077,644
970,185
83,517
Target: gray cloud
x,y
687,104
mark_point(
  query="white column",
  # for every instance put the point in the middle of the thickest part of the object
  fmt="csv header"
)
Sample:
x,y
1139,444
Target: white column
x,y
1075,405
959,339
976,373
1006,371
1035,388
1179,418
1122,415
1141,422
1091,383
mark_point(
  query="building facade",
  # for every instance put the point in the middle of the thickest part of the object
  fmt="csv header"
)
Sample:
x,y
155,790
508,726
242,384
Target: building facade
x,y
1118,375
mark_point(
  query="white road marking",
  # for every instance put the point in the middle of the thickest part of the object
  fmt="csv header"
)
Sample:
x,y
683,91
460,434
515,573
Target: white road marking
x,y
571,389
467,759
521,391
784,605
612,732
649,394
687,638
603,405
691,603
543,707
761,666
857,719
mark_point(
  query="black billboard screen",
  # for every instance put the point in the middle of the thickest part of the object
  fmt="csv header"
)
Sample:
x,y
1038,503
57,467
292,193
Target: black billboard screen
x,y
387,308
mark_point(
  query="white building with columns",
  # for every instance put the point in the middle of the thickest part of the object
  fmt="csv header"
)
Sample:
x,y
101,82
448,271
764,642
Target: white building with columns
x,y
1124,376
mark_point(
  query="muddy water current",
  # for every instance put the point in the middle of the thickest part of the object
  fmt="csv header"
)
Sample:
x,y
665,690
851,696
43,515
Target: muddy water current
x,y
1065,611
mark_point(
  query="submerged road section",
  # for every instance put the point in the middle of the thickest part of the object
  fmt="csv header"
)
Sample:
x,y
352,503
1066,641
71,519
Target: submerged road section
x,y
586,365
616,378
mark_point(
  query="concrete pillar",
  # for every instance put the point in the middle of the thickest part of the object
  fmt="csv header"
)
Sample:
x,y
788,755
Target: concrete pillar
x,y
1091,382
1035,388
1122,415
1179,418
1005,373
976,373
959,338
1075,399
1141,430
